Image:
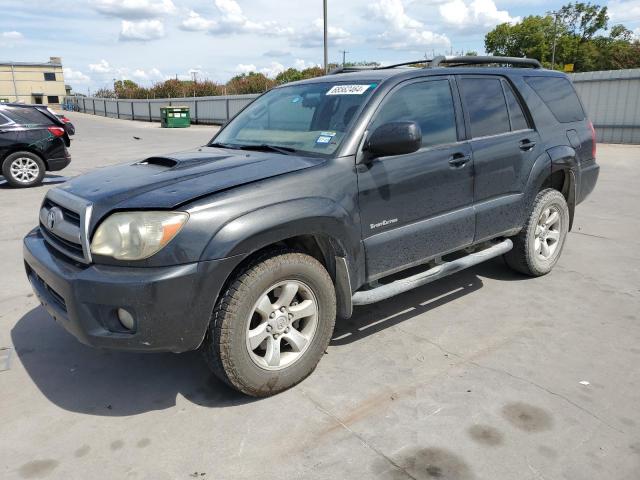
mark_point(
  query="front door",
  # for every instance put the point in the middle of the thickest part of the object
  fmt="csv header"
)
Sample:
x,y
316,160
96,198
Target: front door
x,y
420,205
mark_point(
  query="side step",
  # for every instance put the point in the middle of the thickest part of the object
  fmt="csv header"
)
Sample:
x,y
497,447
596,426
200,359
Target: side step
x,y
403,285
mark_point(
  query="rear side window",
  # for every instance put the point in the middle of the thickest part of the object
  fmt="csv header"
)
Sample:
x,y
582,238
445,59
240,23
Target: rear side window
x,y
516,115
429,104
27,116
486,106
558,94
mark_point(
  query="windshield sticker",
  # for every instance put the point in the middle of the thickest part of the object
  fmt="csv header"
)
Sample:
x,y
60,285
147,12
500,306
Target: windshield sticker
x,y
324,139
348,89
327,134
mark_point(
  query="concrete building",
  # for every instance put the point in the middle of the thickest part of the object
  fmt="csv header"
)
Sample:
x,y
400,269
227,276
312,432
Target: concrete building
x,y
32,82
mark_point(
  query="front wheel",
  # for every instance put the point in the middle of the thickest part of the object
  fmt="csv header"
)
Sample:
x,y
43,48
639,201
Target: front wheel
x,y
537,248
272,325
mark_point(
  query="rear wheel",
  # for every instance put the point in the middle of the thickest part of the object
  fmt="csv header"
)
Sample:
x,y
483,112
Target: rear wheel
x,y
272,325
23,169
537,248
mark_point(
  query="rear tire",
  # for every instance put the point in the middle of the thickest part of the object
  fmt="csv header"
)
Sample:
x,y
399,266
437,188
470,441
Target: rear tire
x,y
23,169
272,324
537,248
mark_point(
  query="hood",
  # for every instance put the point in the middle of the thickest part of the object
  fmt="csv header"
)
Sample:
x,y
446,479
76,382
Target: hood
x,y
169,181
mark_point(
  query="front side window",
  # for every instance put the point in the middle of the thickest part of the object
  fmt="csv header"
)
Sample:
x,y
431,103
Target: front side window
x,y
429,104
310,118
486,106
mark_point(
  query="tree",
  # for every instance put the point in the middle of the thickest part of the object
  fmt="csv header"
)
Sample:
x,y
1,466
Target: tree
x,y
582,21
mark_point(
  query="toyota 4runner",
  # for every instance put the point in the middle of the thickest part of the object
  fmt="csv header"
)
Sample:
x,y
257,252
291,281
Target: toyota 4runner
x,y
318,196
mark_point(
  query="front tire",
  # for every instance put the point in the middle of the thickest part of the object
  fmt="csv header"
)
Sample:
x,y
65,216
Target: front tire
x,y
537,248
23,169
272,325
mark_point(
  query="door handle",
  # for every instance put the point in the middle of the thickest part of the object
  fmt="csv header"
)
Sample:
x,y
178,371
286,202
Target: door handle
x,y
459,160
527,145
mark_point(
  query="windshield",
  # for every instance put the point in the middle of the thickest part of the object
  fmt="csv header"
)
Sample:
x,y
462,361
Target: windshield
x,y
310,118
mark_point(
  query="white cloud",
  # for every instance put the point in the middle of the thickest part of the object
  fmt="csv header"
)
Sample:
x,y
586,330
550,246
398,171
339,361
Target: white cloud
x,y
13,35
196,23
141,31
273,69
145,75
233,20
313,36
75,76
404,32
276,53
481,13
624,11
301,64
101,67
245,68
134,9
636,33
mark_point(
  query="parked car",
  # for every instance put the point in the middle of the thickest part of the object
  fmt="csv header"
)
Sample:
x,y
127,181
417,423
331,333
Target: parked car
x,y
32,141
320,195
68,125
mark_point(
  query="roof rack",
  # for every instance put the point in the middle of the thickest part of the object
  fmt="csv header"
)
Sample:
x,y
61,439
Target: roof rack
x,y
477,60
449,60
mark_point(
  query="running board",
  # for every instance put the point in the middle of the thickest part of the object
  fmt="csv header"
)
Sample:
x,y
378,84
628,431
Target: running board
x,y
403,285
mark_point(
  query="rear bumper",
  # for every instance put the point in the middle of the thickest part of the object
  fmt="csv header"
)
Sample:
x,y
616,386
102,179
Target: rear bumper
x,y
171,305
55,164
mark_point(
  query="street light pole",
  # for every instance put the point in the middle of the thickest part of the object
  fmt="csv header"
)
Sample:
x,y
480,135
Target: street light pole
x,y
326,50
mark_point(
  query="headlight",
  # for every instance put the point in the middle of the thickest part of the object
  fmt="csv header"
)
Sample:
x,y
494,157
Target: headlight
x,y
136,235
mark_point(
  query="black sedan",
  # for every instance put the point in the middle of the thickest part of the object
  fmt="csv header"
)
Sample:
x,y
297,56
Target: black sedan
x,y
32,141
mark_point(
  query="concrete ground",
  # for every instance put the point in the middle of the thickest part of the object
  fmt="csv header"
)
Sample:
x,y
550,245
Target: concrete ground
x,y
484,375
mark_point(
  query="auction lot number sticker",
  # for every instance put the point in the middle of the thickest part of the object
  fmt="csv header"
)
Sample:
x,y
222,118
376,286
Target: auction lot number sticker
x,y
348,89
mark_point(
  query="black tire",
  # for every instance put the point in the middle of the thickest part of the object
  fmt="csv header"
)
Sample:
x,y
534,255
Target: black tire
x,y
225,345
524,257
17,182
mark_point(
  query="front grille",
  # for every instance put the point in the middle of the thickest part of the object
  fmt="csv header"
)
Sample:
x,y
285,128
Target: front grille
x,y
63,218
69,215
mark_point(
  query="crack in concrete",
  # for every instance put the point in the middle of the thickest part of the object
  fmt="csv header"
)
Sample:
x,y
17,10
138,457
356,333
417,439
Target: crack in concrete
x,y
362,440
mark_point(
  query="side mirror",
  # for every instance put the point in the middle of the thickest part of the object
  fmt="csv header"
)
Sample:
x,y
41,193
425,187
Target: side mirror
x,y
394,138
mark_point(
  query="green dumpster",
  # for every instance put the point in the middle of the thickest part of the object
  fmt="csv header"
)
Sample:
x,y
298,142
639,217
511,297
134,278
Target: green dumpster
x,y
175,117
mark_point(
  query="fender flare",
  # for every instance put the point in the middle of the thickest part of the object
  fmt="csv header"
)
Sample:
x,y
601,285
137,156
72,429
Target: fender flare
x,y
564,158
317,216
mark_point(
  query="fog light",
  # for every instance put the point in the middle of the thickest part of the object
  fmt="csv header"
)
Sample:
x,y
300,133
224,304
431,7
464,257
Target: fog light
x,y
126,319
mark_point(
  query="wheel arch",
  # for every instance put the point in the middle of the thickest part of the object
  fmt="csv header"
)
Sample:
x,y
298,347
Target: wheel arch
x,y
24,148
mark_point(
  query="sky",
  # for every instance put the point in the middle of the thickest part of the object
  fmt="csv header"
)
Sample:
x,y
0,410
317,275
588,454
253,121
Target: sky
x,y
152,40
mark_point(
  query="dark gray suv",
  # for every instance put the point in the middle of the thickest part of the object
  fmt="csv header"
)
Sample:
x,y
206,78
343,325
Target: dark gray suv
x,y
318,196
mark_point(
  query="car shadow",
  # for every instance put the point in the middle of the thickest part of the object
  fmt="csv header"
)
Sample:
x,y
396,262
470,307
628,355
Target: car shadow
x,y
48,179
82,379
371,319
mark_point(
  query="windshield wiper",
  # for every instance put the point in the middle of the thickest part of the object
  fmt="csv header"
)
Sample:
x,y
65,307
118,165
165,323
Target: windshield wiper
x,y
223,145
268,148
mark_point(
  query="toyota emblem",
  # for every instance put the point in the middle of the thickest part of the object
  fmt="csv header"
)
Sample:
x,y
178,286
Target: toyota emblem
x,y
53,216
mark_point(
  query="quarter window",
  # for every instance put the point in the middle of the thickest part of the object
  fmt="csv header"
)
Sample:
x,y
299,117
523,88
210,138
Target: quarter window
x,y
558,94
516,115
429,104
486,106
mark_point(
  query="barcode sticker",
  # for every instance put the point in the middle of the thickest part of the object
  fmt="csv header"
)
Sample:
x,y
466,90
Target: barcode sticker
x,y
348,89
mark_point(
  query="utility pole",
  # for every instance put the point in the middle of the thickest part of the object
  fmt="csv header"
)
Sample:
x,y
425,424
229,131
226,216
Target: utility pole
x,y
326,31
555,30
344,57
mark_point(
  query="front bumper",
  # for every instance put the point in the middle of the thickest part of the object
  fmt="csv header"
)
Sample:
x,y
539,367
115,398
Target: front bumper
x,y
171,305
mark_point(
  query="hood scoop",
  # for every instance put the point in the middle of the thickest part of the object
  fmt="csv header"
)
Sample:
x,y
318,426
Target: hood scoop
x,y
159,162
178,163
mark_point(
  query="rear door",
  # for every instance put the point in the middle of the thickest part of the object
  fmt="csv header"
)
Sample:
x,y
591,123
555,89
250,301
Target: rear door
x,y
418,205
504,147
